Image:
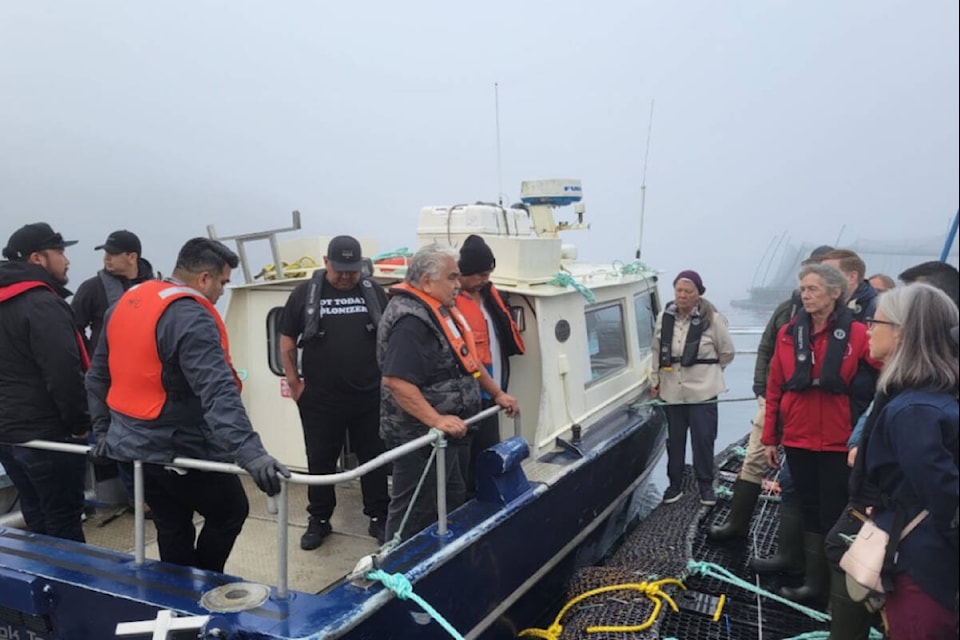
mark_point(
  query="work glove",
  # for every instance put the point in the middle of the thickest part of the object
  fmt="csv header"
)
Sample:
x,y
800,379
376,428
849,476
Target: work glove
x,y
98,452
266,470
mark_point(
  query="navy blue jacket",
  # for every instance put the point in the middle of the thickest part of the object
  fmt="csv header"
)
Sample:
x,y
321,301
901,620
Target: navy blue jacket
x,y
910,457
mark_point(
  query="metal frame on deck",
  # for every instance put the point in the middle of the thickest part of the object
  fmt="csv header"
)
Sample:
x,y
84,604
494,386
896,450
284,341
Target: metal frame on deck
x,y
279,504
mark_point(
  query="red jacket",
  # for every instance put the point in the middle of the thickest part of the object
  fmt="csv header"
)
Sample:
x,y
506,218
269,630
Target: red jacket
x,y
814,419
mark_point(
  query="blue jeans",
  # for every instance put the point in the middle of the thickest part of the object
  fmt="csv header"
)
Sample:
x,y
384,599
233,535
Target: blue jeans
x,y
50,484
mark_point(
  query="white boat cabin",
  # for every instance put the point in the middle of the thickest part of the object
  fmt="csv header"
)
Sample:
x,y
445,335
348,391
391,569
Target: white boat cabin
x,y
587,327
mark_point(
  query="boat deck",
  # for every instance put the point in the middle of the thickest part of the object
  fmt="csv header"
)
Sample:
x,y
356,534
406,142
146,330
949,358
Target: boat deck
x,y
254,557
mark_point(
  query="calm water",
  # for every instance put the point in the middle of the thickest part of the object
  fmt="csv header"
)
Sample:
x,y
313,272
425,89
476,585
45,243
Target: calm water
x,y
738,405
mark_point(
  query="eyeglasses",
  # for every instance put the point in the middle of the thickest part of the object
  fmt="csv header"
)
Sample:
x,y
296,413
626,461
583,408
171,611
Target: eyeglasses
x,y
872,322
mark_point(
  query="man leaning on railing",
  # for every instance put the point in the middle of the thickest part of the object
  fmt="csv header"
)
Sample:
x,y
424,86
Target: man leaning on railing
x,y
162,386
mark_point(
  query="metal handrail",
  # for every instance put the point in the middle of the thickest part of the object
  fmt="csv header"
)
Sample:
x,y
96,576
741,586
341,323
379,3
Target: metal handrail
x,y
279,504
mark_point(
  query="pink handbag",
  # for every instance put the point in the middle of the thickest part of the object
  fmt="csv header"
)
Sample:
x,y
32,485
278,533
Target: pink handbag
x,y
863,561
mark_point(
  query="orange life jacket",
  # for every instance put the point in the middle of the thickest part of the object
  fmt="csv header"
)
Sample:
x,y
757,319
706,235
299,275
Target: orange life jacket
x,y
473,313
136,372
453,325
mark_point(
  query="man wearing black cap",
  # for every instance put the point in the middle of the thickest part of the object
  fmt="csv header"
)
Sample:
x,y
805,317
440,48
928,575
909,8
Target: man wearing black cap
x,y
335,316
495,333
122,268
42,362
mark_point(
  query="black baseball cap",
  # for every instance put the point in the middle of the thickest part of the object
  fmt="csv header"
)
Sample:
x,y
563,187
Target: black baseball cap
x,y
31,238
344,254
121,241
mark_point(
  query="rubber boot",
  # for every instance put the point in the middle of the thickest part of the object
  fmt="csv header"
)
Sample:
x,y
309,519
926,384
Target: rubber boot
x,y
815,590
789,555
745,495
849,620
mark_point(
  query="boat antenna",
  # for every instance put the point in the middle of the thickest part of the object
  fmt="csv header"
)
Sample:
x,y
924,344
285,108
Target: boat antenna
x,y
643,182
948,243
496,107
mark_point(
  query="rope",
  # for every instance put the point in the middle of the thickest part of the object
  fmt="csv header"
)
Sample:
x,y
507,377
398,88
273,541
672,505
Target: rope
x,y
655,402
296,269
398,583
440,442
825,635
650,589
634,268
712,570
402,252
566,280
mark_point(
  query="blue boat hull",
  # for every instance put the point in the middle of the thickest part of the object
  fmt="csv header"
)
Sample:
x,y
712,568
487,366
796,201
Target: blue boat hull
x,y
499,570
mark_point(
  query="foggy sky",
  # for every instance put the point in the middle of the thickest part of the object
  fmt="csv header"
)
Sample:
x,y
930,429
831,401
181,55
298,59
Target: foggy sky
x,y
771,116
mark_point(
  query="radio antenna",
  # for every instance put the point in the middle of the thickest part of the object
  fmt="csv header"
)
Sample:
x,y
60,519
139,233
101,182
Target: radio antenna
x,y
643,182
496,106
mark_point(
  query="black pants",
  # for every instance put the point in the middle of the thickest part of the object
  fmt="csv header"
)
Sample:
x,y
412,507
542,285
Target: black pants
x,y
173,499
50,484
324,430
820,479
406,474
701,419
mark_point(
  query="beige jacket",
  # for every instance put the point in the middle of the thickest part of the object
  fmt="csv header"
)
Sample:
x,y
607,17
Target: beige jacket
x,y
698,382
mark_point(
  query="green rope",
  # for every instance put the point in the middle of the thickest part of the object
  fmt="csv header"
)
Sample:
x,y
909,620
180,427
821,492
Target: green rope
x,y
740,452
398,583
566,280
723,492
439,443
712,570
825,635
634,268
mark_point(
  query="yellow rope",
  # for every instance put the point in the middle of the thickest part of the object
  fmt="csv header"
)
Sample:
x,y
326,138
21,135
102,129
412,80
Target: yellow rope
x,y
297,269
650,589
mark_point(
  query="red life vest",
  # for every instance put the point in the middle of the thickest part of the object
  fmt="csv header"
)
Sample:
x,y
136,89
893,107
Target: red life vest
x,y
453,325
16,289
136,385
473,313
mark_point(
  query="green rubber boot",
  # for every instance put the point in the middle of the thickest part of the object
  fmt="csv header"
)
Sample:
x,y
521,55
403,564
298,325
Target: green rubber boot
x,y
815,590
745,496
849,620
789,555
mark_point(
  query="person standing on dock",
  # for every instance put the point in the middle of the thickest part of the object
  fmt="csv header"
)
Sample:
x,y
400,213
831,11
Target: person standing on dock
x,y
693,346
746,490
335,316
432,379
162,386
495,333
42,362
821,379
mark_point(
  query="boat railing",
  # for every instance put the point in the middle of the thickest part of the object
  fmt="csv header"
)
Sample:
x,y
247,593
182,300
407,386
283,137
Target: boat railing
x,y
279,504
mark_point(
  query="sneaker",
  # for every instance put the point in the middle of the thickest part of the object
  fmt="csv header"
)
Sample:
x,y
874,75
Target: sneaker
x,y
378,529
672,494
708,497
317,531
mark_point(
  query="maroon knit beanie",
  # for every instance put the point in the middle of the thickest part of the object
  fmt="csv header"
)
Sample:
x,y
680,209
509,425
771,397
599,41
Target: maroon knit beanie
x,y
693,277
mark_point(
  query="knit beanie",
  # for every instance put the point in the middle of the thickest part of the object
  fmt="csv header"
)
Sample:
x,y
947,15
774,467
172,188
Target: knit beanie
x,y
693,277
475,257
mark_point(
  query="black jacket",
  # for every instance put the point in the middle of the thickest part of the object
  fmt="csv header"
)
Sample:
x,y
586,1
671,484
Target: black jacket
x,y
90,302
41,371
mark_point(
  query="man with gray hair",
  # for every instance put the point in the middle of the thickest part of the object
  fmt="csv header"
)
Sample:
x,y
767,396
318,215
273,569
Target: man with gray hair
x,y
432,378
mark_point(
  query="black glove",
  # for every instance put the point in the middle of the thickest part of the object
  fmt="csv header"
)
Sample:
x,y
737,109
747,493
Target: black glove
x,y
98,452
264,470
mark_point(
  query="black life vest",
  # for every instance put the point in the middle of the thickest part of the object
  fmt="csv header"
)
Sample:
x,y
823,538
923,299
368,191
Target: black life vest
x,y
698,324
829,379
312,327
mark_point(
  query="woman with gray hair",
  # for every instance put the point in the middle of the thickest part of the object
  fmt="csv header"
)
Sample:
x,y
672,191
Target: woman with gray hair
x,y
821,379
910,455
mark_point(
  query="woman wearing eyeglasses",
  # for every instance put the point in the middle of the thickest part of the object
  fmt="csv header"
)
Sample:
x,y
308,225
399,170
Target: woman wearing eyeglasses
x,y
910,454
821,379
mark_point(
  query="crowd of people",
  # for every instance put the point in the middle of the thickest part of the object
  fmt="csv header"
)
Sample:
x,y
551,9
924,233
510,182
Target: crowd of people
x,y
856,382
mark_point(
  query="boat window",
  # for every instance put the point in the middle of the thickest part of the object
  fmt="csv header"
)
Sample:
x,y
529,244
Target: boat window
x,y
606,341
646,320
274,358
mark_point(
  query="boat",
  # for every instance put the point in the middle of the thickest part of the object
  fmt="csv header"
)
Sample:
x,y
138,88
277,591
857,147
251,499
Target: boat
x,y
555,495
776,274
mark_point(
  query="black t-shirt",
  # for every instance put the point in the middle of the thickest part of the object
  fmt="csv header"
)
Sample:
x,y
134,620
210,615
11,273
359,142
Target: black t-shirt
x,y
414,351
344,360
